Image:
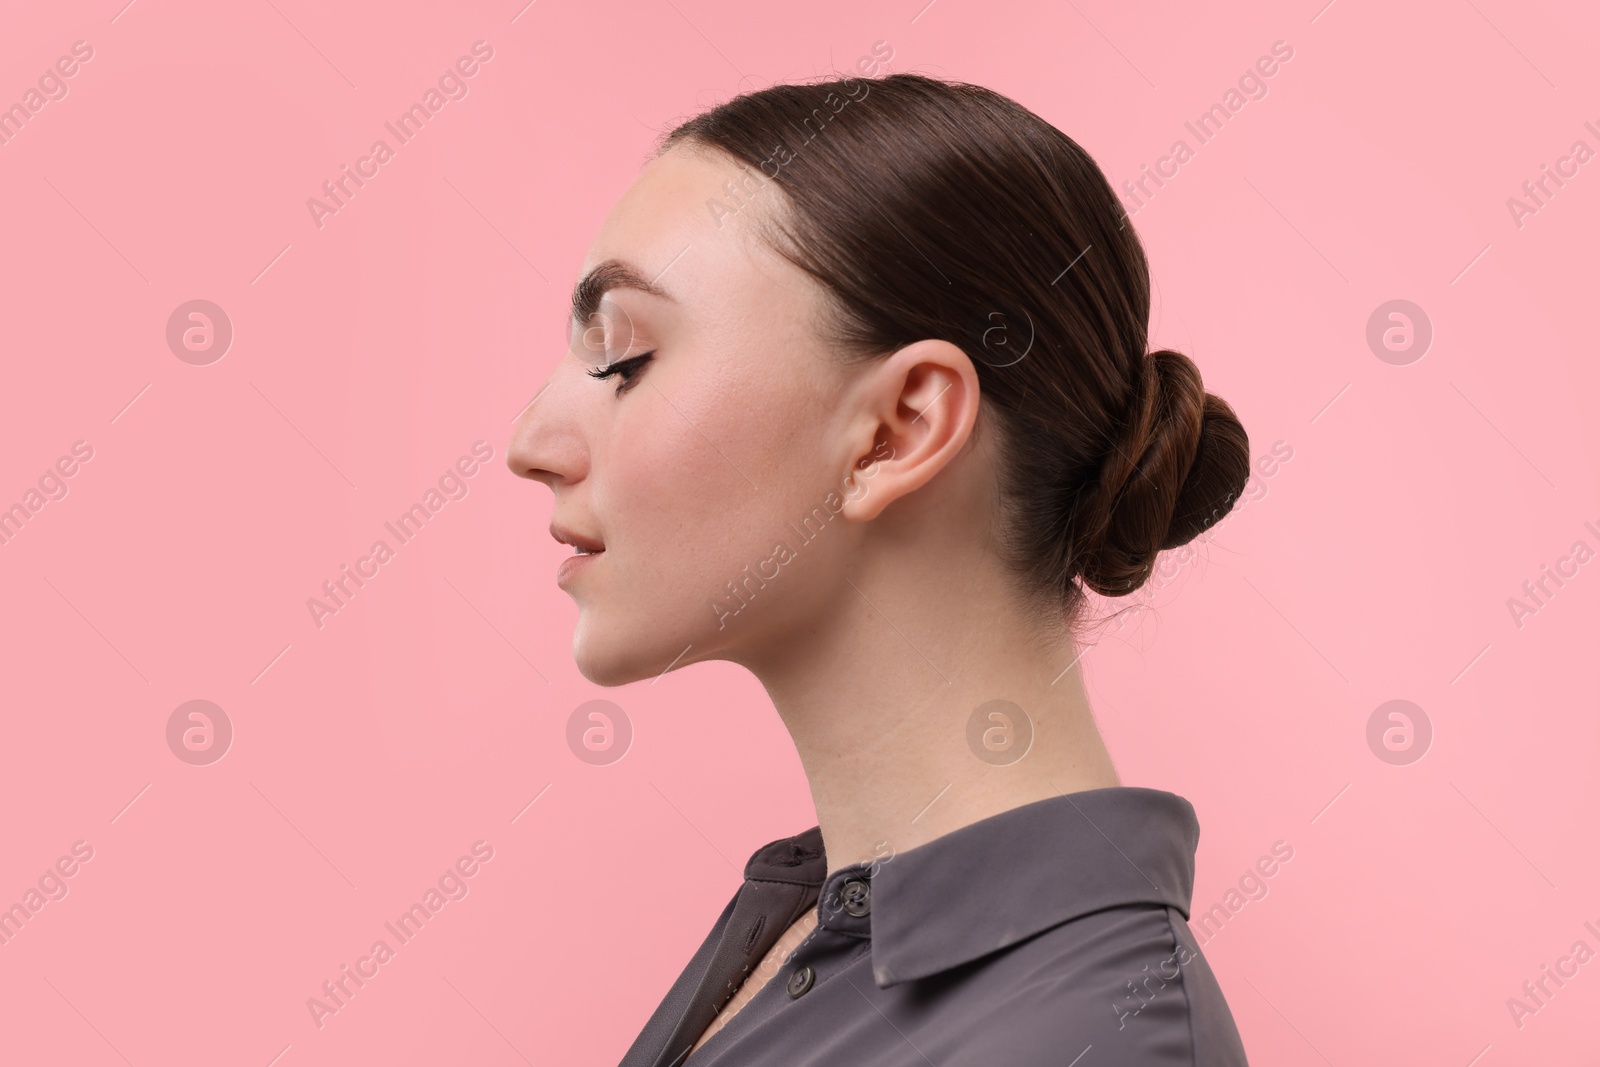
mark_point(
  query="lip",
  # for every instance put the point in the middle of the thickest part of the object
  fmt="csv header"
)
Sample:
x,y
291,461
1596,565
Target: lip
x,y
575,539
573,564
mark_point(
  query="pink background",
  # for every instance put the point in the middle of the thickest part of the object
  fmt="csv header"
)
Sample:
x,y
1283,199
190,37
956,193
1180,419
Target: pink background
x,y
370,353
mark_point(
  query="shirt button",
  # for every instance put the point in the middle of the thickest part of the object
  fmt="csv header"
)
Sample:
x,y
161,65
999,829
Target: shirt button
x,y
857,897
800,981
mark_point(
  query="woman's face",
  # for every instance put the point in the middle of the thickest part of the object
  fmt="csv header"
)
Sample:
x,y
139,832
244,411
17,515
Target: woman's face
x,y
691,466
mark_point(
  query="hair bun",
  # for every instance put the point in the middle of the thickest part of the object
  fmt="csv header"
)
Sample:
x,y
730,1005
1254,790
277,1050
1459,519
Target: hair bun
x,y
1178,469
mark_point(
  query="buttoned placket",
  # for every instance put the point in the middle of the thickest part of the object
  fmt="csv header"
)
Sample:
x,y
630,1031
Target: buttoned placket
x,y
844,910
843,933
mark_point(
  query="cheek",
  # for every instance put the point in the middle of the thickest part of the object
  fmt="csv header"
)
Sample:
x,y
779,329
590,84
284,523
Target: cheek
x,y
680,467
705,485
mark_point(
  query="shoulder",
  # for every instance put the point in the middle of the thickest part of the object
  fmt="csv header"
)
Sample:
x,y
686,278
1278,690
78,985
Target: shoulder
x,y
1128,983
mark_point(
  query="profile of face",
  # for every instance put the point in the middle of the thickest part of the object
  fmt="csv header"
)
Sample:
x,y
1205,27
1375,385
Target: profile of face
x,y
692,465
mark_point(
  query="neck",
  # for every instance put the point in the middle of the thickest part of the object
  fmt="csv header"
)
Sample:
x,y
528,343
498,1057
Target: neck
x,y
880,703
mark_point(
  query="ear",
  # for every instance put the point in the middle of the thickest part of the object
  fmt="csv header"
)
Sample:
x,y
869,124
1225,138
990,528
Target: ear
x,y
918,407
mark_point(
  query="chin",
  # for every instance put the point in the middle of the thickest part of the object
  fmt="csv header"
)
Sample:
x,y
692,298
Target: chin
x,y
598,665
611,659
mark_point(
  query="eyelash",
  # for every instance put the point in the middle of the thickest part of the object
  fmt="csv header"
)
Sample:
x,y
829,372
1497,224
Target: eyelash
x,y
627,368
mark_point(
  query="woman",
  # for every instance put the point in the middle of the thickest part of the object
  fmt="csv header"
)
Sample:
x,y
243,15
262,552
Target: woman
x,y
860,399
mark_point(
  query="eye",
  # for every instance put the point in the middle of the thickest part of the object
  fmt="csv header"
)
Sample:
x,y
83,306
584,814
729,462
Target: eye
x,y
627,369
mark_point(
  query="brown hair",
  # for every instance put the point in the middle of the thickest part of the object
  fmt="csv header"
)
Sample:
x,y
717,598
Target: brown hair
x,y
936,209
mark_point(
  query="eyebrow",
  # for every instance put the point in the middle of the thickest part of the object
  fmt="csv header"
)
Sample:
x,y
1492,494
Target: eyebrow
x,y
611,274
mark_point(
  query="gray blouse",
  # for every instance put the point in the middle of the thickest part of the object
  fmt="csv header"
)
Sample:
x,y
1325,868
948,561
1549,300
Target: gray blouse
x,y
1052,934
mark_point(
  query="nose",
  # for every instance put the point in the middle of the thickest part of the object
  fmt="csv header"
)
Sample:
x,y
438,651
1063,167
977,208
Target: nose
x,y
547,443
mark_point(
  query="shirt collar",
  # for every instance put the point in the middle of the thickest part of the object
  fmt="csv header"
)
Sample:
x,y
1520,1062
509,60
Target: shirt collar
x,y
997,881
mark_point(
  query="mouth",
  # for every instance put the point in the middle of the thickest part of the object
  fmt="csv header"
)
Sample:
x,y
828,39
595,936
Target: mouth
x,y
581,543
581,559
585,550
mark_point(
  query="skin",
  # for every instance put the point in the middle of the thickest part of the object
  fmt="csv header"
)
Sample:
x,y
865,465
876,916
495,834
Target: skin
x,y
876,640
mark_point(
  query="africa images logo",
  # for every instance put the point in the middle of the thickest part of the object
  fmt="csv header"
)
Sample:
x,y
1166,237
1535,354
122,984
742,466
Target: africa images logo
x,y
452,485
451,885
451,85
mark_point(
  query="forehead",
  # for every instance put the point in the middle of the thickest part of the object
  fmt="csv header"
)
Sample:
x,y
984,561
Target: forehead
x,y
682,226
672,196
